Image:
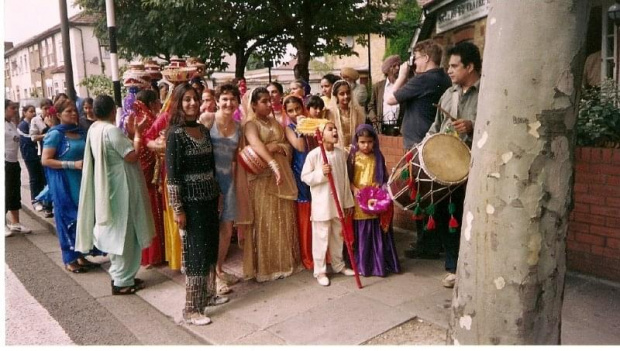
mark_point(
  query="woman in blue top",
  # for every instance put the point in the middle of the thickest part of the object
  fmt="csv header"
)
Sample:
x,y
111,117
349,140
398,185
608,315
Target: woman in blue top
x,y
63,151
225,134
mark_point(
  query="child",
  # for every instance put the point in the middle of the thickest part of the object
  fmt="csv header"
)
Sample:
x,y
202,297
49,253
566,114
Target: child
x,y
292,108
375,253
326,228
315,106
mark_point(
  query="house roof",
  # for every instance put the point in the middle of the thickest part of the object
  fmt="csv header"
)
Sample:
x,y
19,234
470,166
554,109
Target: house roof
x,y
80,19
59,69
423,3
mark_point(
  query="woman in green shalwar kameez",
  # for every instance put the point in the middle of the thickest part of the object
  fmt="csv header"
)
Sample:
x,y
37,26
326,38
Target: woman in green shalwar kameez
x,y
114,213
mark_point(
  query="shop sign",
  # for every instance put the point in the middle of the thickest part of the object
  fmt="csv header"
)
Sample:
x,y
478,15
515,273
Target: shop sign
x,y
461,13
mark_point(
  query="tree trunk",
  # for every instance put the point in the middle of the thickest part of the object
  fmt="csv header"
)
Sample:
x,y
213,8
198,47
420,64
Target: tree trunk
x,y
512,265
303,60
240,61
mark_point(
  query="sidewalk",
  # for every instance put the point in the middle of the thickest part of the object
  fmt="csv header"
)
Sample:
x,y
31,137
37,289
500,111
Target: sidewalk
x,y
297,311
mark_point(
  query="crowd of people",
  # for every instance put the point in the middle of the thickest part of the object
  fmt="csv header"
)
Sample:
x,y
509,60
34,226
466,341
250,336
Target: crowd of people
x,y
176,183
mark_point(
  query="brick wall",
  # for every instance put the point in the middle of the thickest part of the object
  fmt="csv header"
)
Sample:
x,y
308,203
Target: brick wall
x,y
593,243
393,151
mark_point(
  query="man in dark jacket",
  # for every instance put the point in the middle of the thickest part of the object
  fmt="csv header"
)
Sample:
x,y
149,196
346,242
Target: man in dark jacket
x,y
417,96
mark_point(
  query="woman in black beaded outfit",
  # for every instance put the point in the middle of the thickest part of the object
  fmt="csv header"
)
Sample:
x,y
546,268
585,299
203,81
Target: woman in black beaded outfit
x,y
194,195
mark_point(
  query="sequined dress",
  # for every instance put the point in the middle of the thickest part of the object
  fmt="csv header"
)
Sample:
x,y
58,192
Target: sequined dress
x,y
193,190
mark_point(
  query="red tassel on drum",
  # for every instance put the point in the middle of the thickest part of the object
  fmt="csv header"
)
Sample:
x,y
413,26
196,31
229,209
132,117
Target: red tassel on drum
x,y
413,194
409,156
453,224
430,225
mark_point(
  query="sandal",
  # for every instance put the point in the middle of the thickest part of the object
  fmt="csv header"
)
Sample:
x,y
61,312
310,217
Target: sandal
x,y
228,278
86,263
124,290
74,267
137,283
222,287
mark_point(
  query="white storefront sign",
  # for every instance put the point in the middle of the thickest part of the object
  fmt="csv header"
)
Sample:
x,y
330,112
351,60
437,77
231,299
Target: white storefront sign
x,y
460,13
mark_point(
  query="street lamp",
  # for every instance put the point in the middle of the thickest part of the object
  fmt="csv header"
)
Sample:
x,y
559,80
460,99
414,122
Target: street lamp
x,y
614,13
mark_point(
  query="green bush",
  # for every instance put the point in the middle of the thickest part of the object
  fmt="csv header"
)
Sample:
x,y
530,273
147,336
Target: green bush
x,y
598,123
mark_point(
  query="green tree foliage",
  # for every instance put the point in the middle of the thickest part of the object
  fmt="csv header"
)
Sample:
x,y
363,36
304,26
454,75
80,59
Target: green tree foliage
x,y
205,29
599,116
211,29
318,27
407,19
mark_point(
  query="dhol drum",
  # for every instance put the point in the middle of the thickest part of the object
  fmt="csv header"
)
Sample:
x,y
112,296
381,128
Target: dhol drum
x,y
429,172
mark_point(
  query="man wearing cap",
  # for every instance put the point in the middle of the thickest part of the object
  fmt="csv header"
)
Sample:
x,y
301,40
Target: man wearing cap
x,y
386,118
417,97
359,91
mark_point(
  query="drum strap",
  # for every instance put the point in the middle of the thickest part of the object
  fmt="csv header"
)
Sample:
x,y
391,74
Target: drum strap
x,y
456,97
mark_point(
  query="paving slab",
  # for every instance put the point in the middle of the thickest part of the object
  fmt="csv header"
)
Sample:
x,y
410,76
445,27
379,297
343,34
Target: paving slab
x,y
433,306
401,288
341,321
261,337
226,328
148,324
274,302
168,297
591,311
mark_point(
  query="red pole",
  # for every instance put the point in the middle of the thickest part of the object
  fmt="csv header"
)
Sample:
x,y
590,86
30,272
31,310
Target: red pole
x,y
347,235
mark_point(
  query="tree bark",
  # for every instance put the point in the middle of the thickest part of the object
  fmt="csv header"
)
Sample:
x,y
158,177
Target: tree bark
x,y
510,276
303,61
240,61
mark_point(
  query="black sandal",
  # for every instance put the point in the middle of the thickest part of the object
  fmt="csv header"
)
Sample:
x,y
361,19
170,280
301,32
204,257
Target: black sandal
x,y
137,283
74,267
86,263
124,290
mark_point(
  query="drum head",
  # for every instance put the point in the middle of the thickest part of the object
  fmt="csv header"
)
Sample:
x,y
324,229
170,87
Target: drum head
x,y
445,159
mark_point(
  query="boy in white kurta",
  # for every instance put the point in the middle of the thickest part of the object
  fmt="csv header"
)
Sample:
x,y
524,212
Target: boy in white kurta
x,y
326,228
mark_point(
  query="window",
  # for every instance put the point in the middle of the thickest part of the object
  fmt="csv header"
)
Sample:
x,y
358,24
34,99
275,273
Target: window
x,y
61,59
609,48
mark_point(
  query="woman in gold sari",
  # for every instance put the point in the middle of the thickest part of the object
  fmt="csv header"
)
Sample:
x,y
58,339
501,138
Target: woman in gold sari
x,y
267,199
345,112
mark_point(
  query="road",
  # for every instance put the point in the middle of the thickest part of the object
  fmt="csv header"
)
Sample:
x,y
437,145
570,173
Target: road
x,y
45,305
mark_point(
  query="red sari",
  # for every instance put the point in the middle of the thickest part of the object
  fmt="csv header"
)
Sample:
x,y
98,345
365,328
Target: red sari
x,y
154,254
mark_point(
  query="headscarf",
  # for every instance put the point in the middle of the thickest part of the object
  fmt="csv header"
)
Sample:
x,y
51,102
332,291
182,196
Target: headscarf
x,y
380,168
389,62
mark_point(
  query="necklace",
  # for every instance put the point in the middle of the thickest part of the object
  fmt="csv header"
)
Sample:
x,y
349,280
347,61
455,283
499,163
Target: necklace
x,y
224,127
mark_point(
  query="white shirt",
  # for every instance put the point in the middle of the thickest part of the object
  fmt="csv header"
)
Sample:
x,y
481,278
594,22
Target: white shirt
x,y
390,112
323,207
36,128
11,142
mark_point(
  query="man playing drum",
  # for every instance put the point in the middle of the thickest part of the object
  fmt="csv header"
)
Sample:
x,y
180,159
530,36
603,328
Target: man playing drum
x,y
417,96
461,103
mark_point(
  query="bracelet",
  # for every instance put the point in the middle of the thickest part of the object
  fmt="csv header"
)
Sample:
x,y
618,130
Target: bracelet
x,y
273,164
68,164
